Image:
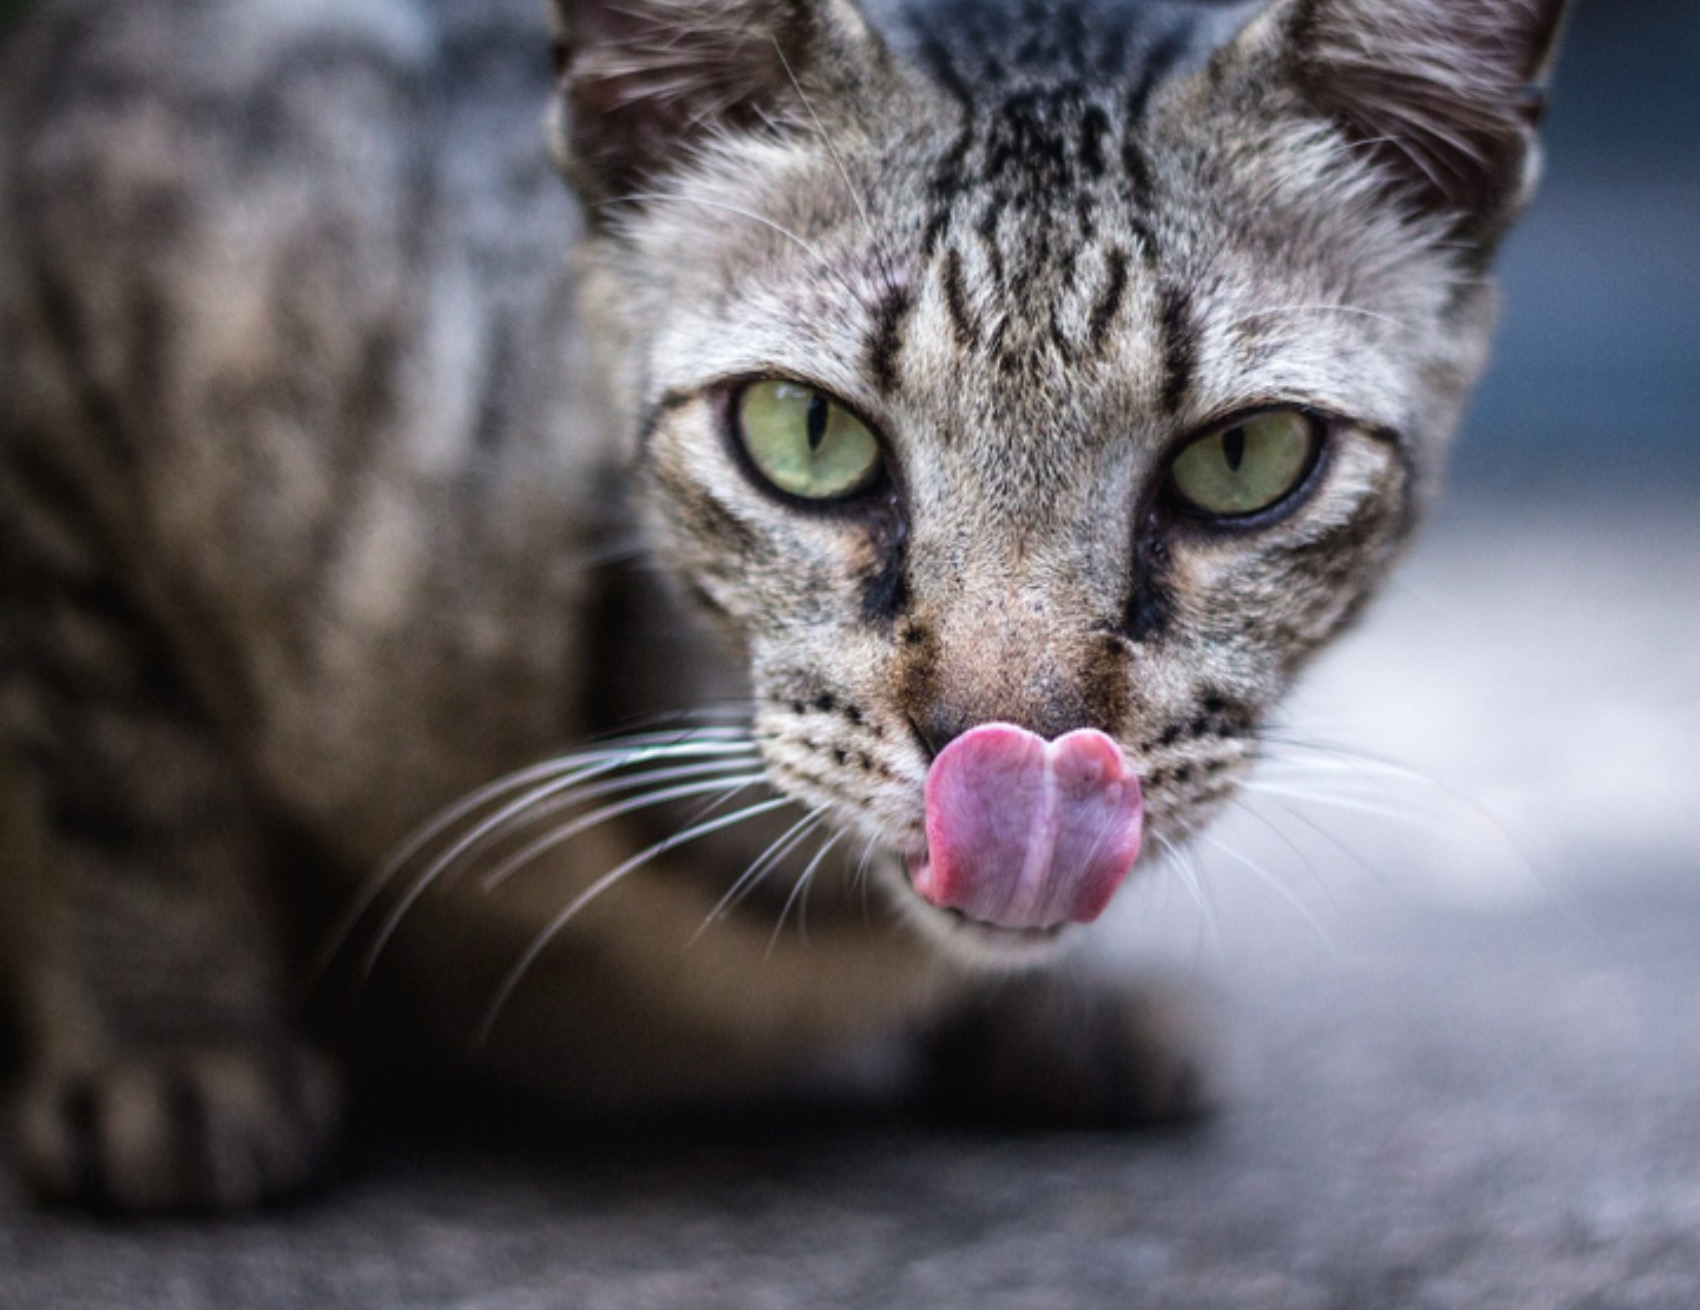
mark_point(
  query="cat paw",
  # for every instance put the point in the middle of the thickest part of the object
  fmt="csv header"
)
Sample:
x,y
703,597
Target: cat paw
x,y
1047,1053
202,1129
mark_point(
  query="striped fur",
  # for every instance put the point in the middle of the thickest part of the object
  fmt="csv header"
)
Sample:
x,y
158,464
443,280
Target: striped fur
x,y
348,462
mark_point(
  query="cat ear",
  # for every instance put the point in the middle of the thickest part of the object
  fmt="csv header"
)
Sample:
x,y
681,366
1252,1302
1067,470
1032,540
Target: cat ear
x,y
643,83
1445,95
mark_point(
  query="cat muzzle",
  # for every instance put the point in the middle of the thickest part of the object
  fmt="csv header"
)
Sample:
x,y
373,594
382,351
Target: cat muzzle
x,y
1028,834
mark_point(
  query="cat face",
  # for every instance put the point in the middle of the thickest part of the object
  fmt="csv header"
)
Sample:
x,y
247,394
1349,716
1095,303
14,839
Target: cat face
x,y
1087,378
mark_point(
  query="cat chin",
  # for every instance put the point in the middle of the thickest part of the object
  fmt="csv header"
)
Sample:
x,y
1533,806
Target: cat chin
x,y
981,946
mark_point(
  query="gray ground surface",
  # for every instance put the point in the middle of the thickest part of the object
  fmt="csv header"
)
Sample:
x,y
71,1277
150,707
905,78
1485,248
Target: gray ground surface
x,y
1463,1060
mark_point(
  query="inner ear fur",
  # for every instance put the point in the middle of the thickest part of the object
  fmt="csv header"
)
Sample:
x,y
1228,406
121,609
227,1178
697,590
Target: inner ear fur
x,y
643,83
1444,96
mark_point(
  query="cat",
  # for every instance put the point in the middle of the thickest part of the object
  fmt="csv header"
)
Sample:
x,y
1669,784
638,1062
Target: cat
x,y
903,471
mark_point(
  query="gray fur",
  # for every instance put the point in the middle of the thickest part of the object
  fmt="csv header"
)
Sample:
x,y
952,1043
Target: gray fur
x,y
348,464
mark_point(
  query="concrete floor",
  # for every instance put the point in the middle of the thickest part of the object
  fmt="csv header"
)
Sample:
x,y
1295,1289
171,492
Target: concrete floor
x,y
1463,1059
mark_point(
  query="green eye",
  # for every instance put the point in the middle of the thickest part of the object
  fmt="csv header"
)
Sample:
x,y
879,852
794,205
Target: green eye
x,y
806,443
1248,467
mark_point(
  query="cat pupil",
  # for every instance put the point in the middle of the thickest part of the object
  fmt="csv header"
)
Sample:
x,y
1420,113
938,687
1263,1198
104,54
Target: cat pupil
x,y
817,422
1233,448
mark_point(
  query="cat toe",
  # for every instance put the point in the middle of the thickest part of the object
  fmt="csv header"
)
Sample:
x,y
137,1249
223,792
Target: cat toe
x,y
1046,1054
182,1130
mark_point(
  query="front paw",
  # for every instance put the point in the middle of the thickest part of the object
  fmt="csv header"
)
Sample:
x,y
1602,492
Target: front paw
x,y
185,1129
1049,1052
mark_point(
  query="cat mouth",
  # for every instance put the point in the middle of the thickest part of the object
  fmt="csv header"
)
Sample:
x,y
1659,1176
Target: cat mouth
x,y
1026,836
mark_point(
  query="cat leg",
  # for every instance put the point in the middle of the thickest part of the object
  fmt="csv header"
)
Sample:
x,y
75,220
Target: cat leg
x,y
160,1070
1062,1051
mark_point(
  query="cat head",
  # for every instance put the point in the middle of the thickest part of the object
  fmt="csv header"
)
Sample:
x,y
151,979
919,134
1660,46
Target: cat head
x,y
1062,365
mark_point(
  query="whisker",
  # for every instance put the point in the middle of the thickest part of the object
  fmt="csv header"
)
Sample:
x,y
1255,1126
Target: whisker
x,y
626,782
553,928
802,881
759,868
537,803
599,763
614,552
1287,841
662,197
1377,770
826,140
859,877
1339,755
1426,822
1299,816
1275,885
440,868
725,719
563,770
1476,835
610,755
1281,311
1185,863
1348,779
493,880
872,849
828,267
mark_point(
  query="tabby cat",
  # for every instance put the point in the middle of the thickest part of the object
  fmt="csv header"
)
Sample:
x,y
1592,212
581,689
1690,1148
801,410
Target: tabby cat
x,y
907,467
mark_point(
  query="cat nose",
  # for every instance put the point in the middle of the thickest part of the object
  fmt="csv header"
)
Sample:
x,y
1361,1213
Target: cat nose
x,y
943,722
932,734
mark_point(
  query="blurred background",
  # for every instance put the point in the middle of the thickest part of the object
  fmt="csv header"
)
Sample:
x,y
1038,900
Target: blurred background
x,y
1597,361
1455,930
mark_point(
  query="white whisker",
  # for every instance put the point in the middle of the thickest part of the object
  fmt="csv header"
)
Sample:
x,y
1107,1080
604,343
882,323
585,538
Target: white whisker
x,y
825,140
614,552
525,809
802,882
1293,846
624,782
724,720
1185,864
598,763
1377,770
1281,311
1275,885
759,868
1426,822
602,884
562,771
559,836
1299,816
662,197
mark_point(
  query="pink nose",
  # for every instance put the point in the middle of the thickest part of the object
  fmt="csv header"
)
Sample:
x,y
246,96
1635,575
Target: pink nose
x,y
1026,833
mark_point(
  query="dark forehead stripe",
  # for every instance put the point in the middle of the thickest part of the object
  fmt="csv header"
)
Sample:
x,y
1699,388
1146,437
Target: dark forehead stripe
x,y
1053,97
1180,346
1046,88
884,342
1161,58
962,322
979,49
1104,312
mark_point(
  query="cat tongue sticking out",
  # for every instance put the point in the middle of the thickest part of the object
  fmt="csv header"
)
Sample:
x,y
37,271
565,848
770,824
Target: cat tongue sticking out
x,y
1025,833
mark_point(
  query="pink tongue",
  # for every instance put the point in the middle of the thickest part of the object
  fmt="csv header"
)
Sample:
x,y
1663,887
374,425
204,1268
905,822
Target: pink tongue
x,y
1026,833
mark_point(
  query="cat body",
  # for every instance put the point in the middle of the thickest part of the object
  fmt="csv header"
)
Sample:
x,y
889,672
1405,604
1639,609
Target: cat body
x,y
350,462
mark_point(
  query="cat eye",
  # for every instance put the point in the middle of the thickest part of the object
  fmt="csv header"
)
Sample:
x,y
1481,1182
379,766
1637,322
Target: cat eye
x,y
1248,466
805,443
